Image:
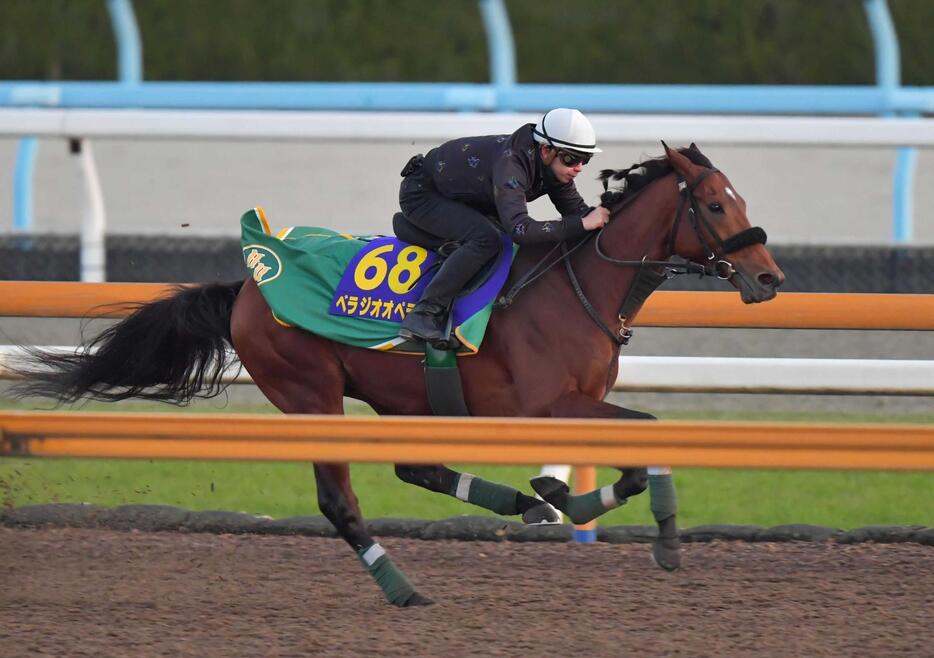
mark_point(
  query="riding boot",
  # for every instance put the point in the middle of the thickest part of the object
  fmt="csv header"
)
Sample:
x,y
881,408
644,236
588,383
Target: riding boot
x,y
428,321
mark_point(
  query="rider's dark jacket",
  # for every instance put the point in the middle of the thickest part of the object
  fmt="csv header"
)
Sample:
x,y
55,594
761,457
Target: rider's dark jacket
x,y
497,175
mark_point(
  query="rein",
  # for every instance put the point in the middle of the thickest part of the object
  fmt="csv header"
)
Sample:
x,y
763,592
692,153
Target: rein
x,y
648,278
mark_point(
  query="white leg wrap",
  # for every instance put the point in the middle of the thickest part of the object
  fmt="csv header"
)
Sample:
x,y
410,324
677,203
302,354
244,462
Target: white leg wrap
x,y
463,486
372,554
659,470
608,498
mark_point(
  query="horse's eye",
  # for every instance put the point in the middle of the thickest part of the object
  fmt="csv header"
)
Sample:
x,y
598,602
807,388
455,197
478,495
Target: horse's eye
x,y
715,207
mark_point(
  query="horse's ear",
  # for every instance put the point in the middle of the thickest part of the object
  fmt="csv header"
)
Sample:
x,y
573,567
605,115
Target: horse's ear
x,y
693,147
681,164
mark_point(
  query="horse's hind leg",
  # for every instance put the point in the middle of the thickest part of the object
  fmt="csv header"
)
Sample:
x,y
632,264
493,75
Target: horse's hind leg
x,y
300,373
339,504
586,507
497,498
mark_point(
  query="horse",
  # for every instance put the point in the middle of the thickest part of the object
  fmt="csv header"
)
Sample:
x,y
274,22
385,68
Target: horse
x,y
551,351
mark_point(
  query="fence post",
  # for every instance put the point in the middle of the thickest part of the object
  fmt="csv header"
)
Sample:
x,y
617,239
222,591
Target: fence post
x,y
585,481
501,47
94,220
888,79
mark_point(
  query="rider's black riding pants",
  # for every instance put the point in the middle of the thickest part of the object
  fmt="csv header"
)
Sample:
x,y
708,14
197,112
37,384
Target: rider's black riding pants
x,y
450,220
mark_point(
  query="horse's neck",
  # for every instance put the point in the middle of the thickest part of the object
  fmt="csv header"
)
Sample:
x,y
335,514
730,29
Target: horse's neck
x,y
639,230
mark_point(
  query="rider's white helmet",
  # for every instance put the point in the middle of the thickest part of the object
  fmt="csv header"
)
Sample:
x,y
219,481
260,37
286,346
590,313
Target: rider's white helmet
x,y
566,128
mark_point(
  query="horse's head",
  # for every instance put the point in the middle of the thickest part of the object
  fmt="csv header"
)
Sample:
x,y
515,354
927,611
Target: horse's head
x,y
711,226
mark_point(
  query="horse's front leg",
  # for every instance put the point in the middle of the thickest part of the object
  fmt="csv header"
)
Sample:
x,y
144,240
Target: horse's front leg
x,y
497,498
586,507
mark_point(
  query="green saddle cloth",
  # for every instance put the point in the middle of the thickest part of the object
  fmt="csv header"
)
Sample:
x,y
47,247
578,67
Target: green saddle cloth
x,y
356,289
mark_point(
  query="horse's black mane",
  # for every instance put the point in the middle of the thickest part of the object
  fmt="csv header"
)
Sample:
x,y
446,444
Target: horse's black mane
x,y
636,177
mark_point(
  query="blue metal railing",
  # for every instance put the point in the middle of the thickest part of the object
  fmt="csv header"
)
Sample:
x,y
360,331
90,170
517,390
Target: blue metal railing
x,y
499,42
689,99
22,183
129,45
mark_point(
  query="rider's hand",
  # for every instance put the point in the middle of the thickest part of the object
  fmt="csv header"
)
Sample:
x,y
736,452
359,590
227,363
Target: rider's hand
x,y
596,218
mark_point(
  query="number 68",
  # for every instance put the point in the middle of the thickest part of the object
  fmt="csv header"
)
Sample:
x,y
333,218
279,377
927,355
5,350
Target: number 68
x,y
372,269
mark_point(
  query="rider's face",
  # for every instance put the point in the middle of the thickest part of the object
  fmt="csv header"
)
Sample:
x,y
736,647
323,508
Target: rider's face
x,y
557,162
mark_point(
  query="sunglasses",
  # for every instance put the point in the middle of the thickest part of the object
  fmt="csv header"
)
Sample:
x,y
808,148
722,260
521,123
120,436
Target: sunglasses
x,y
573,158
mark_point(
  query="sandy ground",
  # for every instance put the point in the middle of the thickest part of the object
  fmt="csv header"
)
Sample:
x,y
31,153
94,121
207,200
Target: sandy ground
x,y
82,592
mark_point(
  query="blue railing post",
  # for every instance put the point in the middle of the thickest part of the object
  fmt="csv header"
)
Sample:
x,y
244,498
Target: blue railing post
x,y
129,45
22,184
130,70
500,46
888,78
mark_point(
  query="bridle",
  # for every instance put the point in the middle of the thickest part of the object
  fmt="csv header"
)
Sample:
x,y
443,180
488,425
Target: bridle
x,y
715,266
648,278
652,273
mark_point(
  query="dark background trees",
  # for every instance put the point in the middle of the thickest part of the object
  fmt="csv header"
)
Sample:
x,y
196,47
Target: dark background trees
x,y
611,41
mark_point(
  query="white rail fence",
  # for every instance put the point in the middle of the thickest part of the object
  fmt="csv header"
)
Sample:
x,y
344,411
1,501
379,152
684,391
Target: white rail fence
x,y
395,126
691,374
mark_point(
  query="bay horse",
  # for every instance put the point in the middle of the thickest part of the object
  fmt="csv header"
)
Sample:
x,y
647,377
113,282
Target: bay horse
x,y
552,352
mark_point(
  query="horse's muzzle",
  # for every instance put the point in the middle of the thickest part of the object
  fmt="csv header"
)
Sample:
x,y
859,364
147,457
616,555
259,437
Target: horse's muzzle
x,y
759,287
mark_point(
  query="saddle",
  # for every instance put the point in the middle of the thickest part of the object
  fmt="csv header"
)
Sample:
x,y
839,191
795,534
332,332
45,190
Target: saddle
x,y
410,233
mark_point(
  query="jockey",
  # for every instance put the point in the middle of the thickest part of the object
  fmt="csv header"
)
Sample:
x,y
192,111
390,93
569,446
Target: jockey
x,y
470,190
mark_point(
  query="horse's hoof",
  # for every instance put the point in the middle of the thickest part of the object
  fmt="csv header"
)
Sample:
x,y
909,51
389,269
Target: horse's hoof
x,y
552,490
417,599
667,553
540,514
632,482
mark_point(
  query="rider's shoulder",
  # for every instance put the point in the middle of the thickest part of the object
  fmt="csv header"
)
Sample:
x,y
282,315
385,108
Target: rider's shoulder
x,y
519,145
523,134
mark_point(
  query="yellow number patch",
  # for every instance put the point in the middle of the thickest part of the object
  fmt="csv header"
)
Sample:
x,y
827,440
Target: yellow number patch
x,y
373,268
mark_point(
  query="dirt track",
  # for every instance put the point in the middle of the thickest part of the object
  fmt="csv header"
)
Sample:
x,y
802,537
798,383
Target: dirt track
x,y
80,592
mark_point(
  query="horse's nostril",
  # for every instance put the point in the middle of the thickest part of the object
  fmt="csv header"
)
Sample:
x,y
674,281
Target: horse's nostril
x,y
766,279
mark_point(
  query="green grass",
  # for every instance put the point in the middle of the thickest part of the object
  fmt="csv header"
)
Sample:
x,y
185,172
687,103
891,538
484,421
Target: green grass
x,y
842,499
834,498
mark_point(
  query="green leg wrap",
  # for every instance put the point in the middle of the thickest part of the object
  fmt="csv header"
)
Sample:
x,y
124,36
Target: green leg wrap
x,y
663,501
396,587
488,495
586,507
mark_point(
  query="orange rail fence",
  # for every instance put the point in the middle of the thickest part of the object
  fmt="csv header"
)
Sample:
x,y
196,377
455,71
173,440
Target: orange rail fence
x,y
584,443
663,309
485,440
472,440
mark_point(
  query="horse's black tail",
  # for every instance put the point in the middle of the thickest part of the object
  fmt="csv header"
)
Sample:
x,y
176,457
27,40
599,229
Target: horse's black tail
x,y
173,350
